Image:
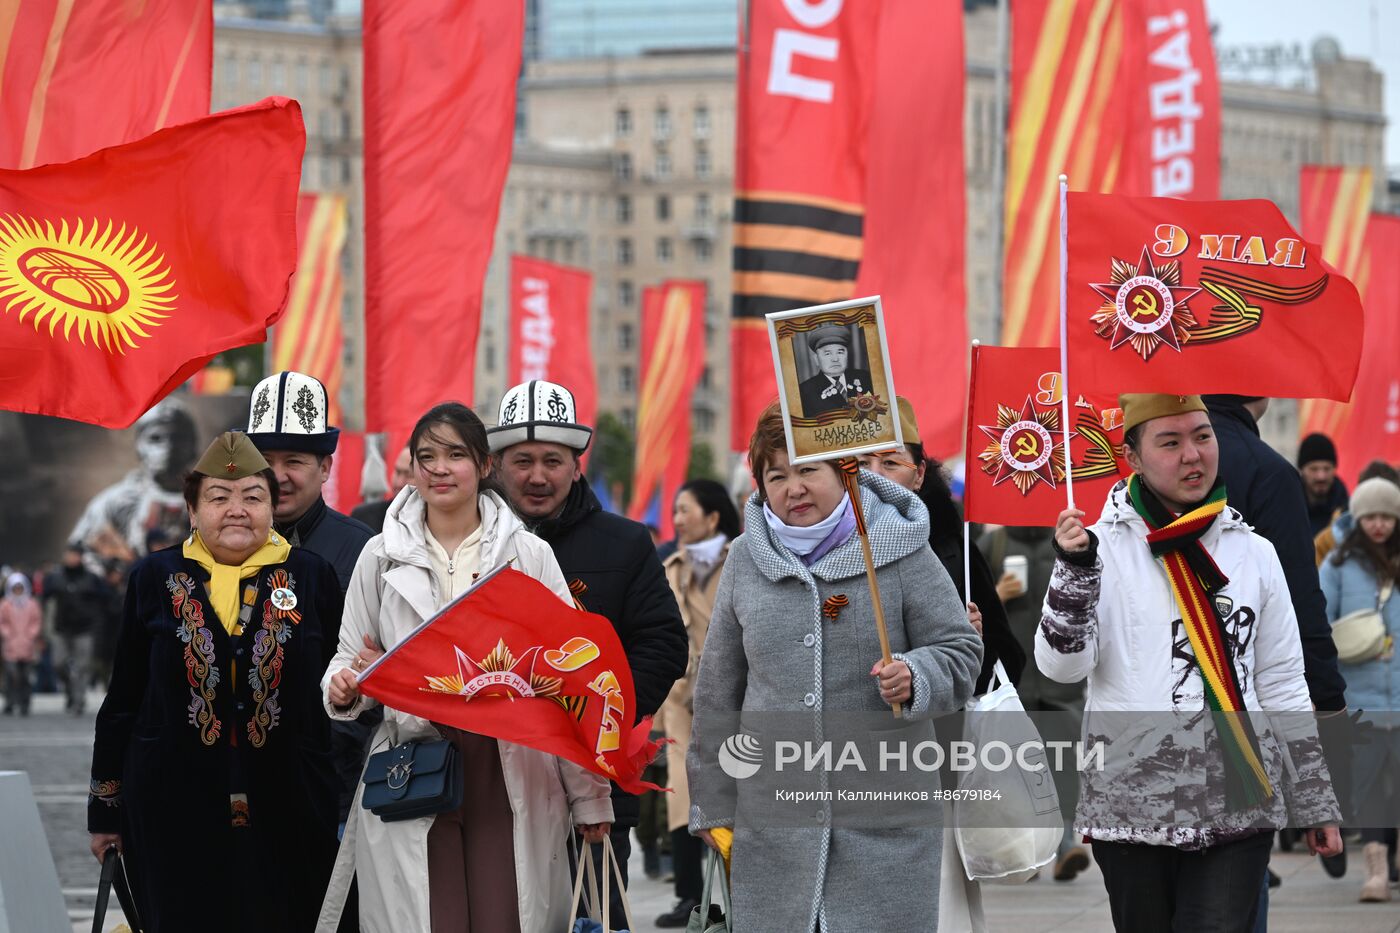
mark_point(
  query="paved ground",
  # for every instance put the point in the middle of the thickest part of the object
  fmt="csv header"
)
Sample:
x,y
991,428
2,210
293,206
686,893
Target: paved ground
x,y
55,748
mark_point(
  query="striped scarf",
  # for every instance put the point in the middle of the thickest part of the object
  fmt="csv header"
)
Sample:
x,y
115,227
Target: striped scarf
x,y
1195,579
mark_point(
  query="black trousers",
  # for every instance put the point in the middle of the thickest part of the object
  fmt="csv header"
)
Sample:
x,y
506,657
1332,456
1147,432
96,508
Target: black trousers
x,y
688,859
1159,889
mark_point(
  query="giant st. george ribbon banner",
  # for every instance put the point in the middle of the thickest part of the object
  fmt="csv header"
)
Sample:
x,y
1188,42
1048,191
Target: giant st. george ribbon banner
x,y
1120,95
80,75
439,119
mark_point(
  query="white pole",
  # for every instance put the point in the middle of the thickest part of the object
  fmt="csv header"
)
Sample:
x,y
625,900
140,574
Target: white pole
x,y
1064,333
967,468
999,170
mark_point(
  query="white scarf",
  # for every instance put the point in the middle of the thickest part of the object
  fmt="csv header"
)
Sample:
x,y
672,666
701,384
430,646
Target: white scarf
x,y
704,555
803,541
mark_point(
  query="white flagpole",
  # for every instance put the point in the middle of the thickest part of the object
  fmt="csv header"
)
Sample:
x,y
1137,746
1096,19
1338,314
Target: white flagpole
x,y
967,467
1064,333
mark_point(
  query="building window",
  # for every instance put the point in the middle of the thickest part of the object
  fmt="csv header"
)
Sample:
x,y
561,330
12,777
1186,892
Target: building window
x,y
704,249
704,420
702,162
626,336
663,165
663,249
254,73
702,121
624,209
702,207
629,418
303,77
278,72
663,207
327,78
626,294
622,168
706,378
624,122
624,251
626,381
663,123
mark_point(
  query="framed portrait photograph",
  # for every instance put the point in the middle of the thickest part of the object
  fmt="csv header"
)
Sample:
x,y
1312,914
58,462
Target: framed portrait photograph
x,y
834,380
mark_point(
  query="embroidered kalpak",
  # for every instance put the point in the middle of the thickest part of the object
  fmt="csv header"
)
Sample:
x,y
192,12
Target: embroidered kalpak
x,y
1195,579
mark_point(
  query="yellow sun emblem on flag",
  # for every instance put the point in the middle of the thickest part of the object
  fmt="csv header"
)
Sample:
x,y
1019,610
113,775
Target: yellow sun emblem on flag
x,y
108,282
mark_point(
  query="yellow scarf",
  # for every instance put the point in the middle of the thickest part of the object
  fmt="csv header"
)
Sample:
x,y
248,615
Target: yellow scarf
x,y
224,579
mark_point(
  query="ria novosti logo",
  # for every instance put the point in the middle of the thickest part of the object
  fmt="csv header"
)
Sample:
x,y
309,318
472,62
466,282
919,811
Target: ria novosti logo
x,y
740,756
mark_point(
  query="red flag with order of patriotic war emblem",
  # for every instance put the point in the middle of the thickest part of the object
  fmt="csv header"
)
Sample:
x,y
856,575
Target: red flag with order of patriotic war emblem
x,y
511,660
124,272
1204,296
1015,472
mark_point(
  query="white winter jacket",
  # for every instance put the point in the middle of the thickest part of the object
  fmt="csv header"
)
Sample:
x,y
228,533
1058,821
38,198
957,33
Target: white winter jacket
x,y
392,591
1117,623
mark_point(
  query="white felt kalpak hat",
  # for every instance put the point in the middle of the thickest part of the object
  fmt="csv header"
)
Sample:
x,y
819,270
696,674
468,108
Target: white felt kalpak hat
x,y
288,412
538,411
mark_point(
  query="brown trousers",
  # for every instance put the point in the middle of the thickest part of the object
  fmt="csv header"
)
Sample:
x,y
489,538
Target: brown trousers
x,y
471,850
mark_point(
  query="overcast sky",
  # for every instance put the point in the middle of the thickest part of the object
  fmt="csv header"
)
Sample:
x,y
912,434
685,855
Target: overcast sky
x,y
1364,28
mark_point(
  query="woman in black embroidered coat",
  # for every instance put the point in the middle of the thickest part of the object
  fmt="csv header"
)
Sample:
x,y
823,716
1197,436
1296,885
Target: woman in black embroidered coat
x,y
211,767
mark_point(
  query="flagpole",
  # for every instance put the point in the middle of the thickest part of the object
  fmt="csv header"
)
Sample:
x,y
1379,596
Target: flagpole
x,y
999,170
967,454
849,468
1064,332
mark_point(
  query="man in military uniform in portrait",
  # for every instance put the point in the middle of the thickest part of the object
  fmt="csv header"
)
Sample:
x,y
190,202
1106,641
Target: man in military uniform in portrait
x,y
836,383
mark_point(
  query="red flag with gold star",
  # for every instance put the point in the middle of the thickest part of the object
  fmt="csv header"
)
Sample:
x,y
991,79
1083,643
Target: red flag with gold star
x,y
1166,295
124,272
1015,473
511,660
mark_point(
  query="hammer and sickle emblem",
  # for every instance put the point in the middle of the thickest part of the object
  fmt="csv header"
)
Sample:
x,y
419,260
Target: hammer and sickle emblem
x,y
1145,303
1027,446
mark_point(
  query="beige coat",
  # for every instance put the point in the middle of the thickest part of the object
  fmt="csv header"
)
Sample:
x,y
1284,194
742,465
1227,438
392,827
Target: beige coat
x,y
697,601
392,591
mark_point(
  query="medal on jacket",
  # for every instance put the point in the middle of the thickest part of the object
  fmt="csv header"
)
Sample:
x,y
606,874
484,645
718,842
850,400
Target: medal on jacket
x,y
283,599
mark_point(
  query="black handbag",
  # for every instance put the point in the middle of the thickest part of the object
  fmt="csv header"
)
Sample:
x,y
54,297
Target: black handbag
x,y
114,876
412,780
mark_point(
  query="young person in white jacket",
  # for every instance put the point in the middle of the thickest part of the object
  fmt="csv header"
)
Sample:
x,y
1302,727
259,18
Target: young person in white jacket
x,y
1178,615
498,864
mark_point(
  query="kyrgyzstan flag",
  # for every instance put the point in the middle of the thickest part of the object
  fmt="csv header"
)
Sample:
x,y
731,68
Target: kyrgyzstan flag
x,y
122,273
1204,296
1016,441
511,660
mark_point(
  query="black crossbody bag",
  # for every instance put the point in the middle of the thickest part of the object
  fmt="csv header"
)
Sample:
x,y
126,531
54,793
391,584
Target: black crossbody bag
x,y
413,779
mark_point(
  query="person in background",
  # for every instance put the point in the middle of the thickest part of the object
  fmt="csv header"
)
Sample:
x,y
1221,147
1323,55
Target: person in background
x,y
1361,574
1327,494
609,561
76,607
706,521
1326,540
21,626
372,513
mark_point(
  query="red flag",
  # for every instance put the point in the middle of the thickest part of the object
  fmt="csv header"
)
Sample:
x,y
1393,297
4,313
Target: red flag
x,y
1204,296
673,356
310,337
914,198
806,79
511,660
1015,471
342,489
1121,95
1368,427
439,119
550,336
78,75
123,273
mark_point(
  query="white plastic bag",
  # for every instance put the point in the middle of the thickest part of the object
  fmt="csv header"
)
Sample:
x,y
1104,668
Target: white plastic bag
x,y
1008,839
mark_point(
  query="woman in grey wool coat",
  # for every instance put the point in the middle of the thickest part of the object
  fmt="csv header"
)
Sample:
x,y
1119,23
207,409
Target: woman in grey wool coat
x,y
793,632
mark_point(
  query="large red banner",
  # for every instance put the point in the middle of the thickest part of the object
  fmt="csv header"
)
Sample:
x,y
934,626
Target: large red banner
x,y
1368,427
806,83
78,75
1120,95
1016,444
310,336
342,489
123,273
915,209
673,357
439,119
1204,296
550,336
511,660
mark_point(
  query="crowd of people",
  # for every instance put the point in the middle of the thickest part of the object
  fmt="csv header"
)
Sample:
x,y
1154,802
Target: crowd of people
x,y
233,730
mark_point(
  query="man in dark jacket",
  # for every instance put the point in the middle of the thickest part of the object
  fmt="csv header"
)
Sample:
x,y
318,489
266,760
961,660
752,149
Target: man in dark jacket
x,y
609,561
1264,488
76,604
287,423
1326,493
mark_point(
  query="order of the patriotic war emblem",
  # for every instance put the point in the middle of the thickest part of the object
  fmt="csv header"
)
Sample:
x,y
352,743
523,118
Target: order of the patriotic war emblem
x,y
1024,446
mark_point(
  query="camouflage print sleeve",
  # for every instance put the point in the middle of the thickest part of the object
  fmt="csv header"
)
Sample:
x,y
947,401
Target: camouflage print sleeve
x,y
1066,642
